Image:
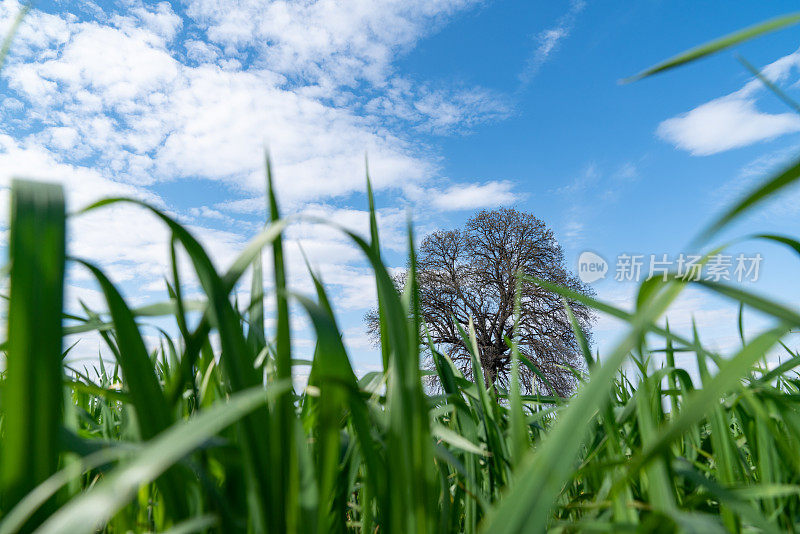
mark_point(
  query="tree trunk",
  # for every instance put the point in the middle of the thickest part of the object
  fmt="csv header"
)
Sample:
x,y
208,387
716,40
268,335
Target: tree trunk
x,y
489,374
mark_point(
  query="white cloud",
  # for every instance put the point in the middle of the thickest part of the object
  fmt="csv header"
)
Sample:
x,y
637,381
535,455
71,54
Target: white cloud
x,y
62,137
734,120
127,241
331,43
135,98
438,110
724,124
200,51
443,112
471,196
146,117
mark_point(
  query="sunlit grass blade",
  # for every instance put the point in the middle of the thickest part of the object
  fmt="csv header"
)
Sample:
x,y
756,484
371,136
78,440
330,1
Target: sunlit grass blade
x,y
410,448
255,312
757,302
334,370
336,382
538,480
520,440
196,524
13,521
154,415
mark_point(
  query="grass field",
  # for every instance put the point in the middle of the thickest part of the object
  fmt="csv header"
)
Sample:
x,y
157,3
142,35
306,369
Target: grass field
x,y
200,436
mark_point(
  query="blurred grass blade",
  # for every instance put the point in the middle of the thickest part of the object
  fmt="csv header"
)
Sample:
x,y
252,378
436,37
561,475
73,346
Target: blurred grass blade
x,y
773,309
718,45
32,397
761,193
200,523
255,312
777,91
11,32
13,521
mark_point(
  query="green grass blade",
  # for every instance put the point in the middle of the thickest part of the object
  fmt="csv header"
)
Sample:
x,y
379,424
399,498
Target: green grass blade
x,y
702,400
777,91
32,391
256,336
237,358
761,193
92,510
520,440
376,248
285,474
540,478
143,387
153,412
718,45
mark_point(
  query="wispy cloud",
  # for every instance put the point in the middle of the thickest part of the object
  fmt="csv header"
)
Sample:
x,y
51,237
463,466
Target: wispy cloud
x,y
583,181
734,120
548,41
785,206
589,193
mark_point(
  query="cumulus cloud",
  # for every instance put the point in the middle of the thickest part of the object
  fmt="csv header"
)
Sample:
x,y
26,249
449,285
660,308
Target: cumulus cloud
x,y
472,196
734,120
147,117
124,101
330,43
724,124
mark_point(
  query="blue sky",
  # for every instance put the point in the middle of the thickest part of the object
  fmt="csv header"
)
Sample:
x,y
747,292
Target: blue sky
x,y
460,104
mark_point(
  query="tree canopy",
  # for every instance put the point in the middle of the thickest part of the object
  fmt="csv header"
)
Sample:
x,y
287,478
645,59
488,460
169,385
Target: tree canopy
x,y
473,272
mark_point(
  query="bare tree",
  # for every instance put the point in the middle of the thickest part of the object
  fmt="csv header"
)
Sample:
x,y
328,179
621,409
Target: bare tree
x,y
472,273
